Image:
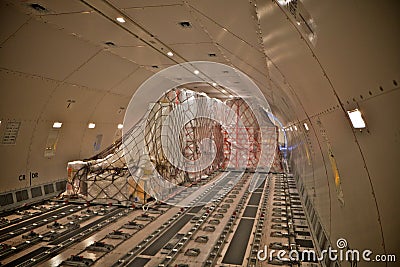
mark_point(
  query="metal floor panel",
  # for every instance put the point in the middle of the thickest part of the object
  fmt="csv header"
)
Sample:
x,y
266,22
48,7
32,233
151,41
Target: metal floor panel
x,y
138,262
164,238
237,248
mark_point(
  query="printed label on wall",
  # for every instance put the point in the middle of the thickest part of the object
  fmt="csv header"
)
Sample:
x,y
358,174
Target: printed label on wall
x,y
335,170
51,143
11,133
97,142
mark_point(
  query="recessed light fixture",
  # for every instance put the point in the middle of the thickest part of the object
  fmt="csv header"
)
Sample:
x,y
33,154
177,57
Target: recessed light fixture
x,y
91,125
57,124
295,127
306,126
298,23
282,2
223,91
356,118
214,84
120,19
230,96
120,126
291,129
170,54
196,72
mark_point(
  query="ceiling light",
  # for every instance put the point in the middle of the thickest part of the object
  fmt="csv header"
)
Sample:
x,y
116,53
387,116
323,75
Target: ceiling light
x,y
298,23
291,129
120,126
295,127
57,125
284,2
170,54
91,125
356,118
121,19
214,84
196,72
230,96
306,126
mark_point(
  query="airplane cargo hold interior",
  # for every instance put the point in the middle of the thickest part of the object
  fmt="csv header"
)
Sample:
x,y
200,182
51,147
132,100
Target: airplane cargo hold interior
x,y
199,133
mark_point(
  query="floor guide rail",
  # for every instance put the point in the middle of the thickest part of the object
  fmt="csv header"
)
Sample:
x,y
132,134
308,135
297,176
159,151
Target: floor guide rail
x,y
179,230
60,244
226,225
30,224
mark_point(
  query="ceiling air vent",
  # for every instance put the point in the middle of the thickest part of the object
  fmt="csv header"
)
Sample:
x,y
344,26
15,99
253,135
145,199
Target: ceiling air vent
x,y
109,43
185,24
154,67
212,55
38,7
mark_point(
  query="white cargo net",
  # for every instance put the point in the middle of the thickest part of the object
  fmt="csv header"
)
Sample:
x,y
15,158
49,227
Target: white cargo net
x,y
182,138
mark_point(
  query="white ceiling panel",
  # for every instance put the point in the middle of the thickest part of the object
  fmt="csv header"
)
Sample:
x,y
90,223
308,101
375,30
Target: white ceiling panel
x,y
54,6
238,17
109,109
23,96
103,71
383,141
201,51
129,85
164,24
147,3
366,35
55,56
94,27
84,99
233,45
289,52
142,55
252,64
12,18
